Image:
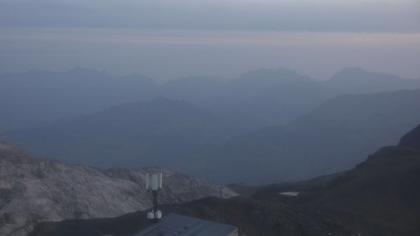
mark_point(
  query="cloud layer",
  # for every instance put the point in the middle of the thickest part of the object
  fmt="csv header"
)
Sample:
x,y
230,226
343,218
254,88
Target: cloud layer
x,y
321,15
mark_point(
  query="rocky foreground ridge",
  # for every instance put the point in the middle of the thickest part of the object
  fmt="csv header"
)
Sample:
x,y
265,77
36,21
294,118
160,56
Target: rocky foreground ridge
x,y
379,197
32,191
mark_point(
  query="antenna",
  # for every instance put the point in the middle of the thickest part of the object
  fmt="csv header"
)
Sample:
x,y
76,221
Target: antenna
x,y
154,183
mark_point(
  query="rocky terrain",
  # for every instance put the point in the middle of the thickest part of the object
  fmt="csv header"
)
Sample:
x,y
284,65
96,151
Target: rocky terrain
x,y
34,190
379,197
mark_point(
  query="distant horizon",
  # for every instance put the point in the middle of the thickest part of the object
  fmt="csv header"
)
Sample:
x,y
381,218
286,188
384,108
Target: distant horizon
x,y
173,54
171,39
198,76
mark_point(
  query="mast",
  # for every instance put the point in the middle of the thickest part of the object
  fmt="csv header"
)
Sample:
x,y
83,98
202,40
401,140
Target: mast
x,y
154,183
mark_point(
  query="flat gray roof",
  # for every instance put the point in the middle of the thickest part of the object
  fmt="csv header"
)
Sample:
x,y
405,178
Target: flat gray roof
x,y
180,225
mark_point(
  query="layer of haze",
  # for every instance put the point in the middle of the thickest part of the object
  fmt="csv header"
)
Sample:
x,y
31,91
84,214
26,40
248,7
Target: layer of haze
x,y
169,39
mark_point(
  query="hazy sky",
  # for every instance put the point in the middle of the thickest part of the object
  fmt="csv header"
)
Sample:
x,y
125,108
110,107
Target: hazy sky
x,y
172,38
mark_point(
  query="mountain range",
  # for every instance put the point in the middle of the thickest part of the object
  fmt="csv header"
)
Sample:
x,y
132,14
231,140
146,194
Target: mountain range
x,y
279,121
160,132
258,98
37,98
333,137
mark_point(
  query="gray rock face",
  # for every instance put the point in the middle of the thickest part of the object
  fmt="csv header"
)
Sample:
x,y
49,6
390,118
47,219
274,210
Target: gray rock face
x,y
33,190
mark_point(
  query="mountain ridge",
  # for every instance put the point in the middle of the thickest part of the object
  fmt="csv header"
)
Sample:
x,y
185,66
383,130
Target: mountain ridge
x,y
33,190
148,133
38,93
338,134
377,197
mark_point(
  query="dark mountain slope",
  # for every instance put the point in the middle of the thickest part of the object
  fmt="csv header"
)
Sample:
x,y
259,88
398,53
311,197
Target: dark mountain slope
x,y
335,136
380,193
411,139
378,197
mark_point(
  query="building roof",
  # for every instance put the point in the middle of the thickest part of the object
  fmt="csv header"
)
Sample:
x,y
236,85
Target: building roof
x,y
178,225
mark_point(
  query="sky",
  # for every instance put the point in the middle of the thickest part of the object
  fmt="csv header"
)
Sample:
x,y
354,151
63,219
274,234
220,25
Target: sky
x,y
174,38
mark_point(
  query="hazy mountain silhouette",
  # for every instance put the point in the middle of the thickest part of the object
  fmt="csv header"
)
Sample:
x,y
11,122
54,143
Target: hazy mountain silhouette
x,y
268,97
179,134
258,98
160,132
39,97
335,136
358,80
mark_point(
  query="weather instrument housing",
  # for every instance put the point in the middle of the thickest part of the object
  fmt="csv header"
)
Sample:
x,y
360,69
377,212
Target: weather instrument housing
x,y
154,183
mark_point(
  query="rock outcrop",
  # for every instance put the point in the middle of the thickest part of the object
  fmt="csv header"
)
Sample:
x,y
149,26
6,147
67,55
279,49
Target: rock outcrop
x,y
33,190
411,139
